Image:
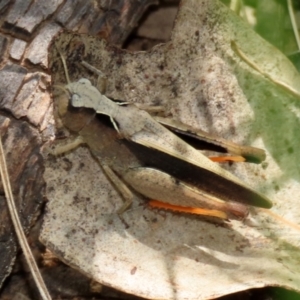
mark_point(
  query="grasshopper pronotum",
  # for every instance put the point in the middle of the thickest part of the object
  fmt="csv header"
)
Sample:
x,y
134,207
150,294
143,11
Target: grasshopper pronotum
x,y
141,152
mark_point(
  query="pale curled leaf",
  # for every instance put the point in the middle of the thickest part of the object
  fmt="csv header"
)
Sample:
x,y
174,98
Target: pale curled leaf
x,y
203,82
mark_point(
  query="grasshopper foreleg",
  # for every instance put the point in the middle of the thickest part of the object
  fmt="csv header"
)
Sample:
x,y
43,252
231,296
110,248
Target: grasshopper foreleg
x,y
61,148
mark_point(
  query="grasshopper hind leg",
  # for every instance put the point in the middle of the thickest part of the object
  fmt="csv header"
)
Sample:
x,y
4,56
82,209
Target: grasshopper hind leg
x,y
158,185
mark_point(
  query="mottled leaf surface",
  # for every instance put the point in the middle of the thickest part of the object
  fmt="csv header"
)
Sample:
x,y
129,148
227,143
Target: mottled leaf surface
x,y
203,80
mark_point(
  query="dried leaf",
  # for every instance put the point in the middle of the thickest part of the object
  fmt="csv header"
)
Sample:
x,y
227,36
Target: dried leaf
x,y
205,82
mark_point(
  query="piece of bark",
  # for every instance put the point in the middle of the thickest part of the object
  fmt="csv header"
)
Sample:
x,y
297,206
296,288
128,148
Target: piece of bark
x,y
25,168
17,49
11,77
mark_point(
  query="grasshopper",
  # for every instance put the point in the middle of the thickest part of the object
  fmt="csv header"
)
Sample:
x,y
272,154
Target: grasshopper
x,y
152,160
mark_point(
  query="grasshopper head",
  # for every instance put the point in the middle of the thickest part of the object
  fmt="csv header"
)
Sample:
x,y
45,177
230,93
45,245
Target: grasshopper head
x,y
65,113
74,119
84,94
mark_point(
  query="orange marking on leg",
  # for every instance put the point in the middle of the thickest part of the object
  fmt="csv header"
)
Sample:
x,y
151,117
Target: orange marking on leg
x,y
189,210
227,158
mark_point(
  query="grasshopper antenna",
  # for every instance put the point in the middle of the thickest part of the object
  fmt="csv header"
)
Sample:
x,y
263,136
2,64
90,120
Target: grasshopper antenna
x,y
65,70
101,82
64,65
93,69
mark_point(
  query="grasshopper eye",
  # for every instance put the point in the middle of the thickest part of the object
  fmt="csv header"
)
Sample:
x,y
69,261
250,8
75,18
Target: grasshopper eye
x,y
84,81
76,101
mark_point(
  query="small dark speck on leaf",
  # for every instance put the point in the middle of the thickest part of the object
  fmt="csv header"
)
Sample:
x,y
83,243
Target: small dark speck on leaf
x,y
133,270
154,220
161,67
